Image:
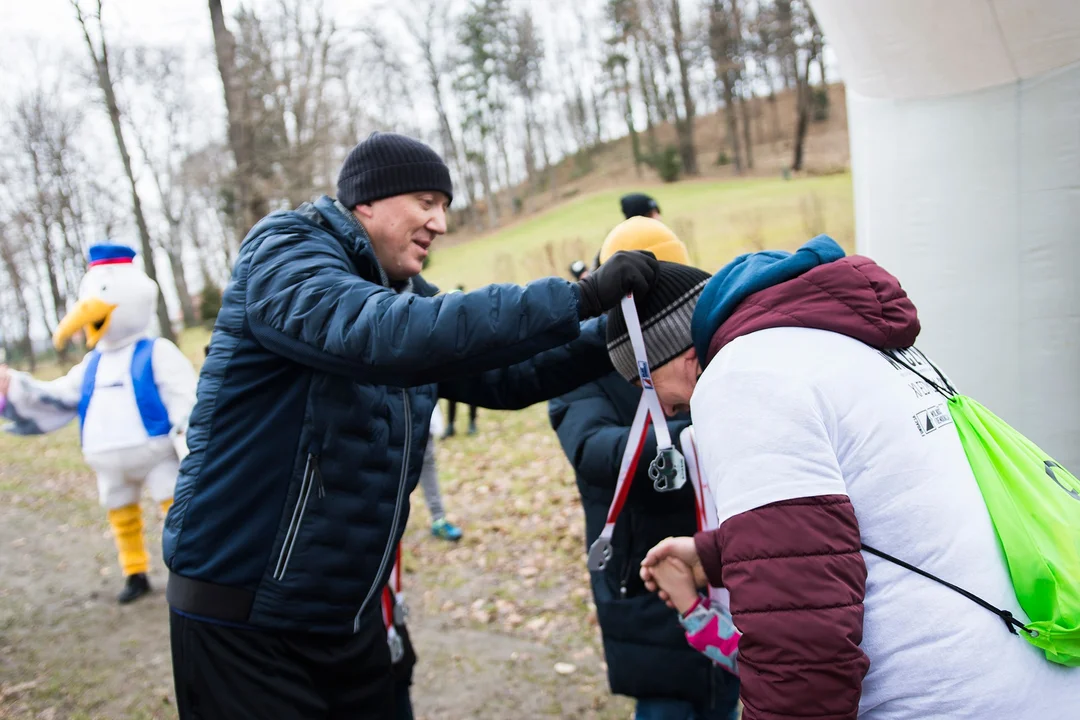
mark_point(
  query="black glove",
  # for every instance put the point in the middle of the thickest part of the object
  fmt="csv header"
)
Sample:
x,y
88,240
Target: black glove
x,y
623,273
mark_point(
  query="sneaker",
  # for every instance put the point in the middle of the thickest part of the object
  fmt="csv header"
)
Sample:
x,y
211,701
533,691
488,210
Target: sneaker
x,y
446,530
135,586
472,428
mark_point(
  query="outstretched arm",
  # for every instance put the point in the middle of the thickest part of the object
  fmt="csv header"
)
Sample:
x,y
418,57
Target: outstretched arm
x,y
305,302
35,407
542,377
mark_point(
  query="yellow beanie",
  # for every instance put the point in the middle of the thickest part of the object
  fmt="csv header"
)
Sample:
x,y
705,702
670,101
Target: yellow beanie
x,y
642,233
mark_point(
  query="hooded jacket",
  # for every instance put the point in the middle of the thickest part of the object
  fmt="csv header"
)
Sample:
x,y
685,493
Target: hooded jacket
x,y
815,442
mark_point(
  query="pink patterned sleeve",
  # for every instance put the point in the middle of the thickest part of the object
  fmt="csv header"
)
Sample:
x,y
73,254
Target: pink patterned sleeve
x,y
710,631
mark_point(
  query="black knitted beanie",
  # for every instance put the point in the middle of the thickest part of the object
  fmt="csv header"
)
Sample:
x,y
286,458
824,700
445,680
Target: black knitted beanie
x,y
388,164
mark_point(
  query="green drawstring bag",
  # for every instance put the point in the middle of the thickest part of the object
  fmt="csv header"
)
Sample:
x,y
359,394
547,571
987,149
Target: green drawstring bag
x,y
1034,504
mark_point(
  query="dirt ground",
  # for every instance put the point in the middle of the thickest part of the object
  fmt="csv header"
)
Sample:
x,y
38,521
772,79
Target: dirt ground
x,y
490,617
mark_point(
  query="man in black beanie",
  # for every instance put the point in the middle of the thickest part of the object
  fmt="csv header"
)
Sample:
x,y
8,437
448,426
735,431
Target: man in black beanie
x,y
308,435
636,204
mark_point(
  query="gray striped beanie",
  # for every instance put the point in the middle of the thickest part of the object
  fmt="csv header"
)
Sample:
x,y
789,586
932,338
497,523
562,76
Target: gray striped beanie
x,y
665,315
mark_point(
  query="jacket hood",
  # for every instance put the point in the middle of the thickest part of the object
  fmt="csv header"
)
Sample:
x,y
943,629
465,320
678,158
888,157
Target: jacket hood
x,y
751,273
853,296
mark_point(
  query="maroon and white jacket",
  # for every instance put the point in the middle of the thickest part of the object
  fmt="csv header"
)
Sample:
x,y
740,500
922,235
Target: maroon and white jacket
x,y
814,443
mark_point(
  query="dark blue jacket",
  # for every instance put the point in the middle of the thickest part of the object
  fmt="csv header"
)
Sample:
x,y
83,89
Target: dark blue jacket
x,y
645,647
313,412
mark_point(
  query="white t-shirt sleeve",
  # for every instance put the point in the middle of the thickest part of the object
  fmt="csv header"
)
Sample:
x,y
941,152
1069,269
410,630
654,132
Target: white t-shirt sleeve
x,y
763,437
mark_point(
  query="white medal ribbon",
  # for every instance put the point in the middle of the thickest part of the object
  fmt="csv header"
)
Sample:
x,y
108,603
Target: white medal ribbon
x,y
667,470
705,502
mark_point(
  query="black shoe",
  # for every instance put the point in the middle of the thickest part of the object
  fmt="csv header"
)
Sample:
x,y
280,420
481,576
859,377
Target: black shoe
x,y
449,433
135,587
472,428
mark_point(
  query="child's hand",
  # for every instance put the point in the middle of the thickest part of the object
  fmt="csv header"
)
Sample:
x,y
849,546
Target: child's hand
x,y
676,582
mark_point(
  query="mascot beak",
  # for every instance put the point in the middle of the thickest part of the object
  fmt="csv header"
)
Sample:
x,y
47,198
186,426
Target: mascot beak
x,y
92,315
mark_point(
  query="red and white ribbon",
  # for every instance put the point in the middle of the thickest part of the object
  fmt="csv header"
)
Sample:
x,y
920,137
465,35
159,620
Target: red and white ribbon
x,y
667,470
705,503
393,609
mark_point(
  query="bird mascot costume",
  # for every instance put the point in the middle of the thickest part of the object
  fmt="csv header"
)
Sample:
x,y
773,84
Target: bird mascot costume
x,y
132,394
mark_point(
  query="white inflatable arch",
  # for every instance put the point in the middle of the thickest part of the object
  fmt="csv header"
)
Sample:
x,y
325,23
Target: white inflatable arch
x,y
965,150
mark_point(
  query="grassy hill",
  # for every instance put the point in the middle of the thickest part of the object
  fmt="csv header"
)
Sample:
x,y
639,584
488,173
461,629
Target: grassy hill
x,y
717,219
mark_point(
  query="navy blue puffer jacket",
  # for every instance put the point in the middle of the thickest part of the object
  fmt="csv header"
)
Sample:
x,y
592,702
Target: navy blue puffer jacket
x,y
313,411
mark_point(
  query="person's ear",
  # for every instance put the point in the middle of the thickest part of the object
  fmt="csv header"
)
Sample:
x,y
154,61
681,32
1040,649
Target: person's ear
x,y
691,356
364,210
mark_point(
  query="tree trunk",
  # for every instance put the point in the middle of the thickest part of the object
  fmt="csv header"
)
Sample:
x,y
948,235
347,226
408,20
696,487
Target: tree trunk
x,y
18,290
748,142
176,264
101,65
489,196
628,114
648,92
803,119
732,121
685,127
251,203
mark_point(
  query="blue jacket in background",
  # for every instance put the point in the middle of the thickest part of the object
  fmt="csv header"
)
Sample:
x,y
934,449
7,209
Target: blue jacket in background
x,y
313,412
644,645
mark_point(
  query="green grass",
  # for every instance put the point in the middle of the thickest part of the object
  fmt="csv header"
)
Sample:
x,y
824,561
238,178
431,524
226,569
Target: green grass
x,y
717,219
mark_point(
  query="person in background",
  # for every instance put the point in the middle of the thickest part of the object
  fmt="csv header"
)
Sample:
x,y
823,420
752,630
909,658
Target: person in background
x,y
429,483
639,204
647,654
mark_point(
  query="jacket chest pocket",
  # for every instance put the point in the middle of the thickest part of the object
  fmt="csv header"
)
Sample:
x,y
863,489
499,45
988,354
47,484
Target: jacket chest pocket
x,y
312,489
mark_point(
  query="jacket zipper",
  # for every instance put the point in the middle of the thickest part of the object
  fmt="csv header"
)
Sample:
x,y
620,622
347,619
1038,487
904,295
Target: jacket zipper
x,y
311,469
398,505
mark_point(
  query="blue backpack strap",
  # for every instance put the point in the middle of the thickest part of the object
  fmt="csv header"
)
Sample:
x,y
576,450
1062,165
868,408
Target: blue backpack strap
x,y
154,415
87,387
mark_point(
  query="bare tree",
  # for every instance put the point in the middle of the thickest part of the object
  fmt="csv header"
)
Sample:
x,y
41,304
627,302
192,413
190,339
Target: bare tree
x,y
803,23
160,75
623,18
524,71
99,54
250,203
482,34
436,65
722,45
684,122
10,262
35,120
746,86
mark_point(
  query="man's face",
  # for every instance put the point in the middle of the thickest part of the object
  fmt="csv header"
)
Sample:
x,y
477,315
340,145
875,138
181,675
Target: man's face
x,y
675,383
402,229
654,214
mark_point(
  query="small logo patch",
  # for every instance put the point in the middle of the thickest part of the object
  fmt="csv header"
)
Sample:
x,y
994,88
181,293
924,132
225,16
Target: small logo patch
x,y
643,373
931,419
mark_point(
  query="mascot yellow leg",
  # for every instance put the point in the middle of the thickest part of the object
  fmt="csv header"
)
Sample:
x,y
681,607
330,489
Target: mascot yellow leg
x,y
127,528
165,505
